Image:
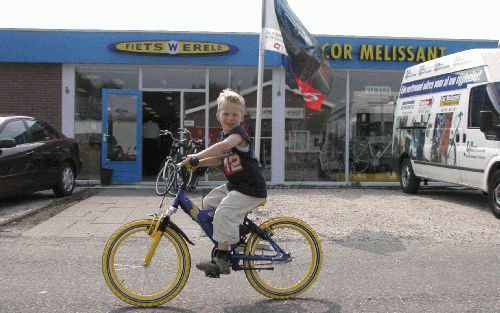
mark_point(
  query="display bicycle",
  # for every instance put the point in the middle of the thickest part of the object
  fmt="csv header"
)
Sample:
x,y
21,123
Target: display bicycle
x,y
166,179
147,262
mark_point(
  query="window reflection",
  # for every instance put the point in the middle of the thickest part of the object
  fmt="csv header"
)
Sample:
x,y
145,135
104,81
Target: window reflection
x,y
122,128
173,78
373,98
315,139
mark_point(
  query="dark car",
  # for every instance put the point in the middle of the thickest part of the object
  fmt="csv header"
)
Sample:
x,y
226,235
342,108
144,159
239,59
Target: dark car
x,y
34,156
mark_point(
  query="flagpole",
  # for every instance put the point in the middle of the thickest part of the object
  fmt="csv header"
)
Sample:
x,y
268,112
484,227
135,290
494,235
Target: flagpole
x,y
260,79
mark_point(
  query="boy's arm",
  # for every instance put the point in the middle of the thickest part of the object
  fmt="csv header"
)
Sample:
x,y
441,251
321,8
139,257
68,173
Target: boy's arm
x,y
219,148
212,161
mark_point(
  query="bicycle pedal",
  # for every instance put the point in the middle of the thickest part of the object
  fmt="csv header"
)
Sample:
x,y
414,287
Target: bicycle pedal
x,y
212,274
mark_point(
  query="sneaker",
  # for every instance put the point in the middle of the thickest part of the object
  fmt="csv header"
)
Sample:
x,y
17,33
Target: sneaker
x,y
223,263
208,267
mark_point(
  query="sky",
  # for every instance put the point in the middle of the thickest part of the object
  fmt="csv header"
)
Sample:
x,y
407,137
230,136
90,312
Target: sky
x,y
440,19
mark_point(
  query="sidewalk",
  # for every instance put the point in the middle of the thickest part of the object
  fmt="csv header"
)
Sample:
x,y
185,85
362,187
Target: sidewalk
x,y
103,213
339,214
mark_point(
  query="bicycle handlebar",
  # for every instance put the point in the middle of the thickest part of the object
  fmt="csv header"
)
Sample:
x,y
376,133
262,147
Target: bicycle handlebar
x,y
194,162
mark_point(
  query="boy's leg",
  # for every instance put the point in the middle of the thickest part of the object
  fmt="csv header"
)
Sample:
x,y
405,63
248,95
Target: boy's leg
x,y
229,215
212,201
214,198
227,220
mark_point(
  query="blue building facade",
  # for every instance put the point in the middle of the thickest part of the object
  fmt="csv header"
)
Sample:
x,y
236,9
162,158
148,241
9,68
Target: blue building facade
x,y
117,88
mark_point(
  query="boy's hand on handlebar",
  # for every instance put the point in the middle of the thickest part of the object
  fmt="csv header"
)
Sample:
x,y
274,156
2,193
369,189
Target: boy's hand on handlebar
x,y
190,162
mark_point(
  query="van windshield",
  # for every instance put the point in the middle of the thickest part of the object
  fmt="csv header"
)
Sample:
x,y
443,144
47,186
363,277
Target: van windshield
x,y
494,93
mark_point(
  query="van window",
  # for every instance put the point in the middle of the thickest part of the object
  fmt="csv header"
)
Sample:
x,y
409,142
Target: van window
x,y
479,100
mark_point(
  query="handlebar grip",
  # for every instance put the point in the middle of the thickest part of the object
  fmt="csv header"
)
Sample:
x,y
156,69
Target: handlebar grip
x,y
194,161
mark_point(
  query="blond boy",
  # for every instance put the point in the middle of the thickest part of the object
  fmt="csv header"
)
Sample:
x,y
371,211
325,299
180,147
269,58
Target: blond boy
x,y
246,186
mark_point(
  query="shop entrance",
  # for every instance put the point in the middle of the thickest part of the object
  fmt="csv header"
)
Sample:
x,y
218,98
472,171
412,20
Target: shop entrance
x,y
160,110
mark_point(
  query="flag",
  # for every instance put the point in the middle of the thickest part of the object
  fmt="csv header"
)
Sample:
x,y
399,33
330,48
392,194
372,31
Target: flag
x,y
284,33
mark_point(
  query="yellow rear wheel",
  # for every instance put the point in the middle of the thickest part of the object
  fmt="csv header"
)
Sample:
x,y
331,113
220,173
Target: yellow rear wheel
x,y
287,279
133,282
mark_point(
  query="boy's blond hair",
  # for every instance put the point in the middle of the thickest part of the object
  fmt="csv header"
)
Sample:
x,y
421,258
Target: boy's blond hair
x,y
229,96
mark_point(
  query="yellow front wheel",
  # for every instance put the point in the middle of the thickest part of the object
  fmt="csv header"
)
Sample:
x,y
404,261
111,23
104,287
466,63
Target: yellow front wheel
x,y
139,284
286,279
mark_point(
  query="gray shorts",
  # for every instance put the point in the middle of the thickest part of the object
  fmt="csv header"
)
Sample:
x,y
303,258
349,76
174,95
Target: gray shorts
x,y
232,206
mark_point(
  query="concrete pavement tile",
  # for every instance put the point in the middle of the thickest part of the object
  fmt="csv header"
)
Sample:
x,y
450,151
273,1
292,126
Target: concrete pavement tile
x,y
84,230
114,215
49,229
73,212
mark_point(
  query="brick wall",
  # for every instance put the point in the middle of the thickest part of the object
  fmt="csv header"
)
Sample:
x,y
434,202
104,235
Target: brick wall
x,y
32,90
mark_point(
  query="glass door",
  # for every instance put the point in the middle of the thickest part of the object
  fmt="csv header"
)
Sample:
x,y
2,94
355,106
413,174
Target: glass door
x,y
122,134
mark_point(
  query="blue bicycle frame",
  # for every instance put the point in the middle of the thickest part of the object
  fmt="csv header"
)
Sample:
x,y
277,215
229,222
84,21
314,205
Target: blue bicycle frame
x,y
205,217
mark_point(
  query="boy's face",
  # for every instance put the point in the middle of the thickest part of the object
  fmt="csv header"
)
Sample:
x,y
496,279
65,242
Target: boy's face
x,y
230,116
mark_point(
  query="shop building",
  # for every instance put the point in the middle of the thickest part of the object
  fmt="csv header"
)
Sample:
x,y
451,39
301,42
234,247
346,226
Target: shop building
x,y
113,90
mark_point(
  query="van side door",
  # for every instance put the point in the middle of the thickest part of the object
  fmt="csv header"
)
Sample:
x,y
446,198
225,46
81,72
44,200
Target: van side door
x,y
478,147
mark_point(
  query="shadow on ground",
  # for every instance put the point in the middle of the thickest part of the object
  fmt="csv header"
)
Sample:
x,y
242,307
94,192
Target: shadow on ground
x,y
288,306
382,243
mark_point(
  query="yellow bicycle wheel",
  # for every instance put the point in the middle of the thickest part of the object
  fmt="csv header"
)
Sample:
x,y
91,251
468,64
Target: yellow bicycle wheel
x,y
127,276
280,279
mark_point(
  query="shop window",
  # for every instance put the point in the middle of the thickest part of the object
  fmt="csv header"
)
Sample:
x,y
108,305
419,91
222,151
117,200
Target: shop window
x,y
173,78
218,81
314,147
373,97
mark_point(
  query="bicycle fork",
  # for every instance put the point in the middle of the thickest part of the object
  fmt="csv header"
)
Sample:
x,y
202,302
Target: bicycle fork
x,y
158,226
155,233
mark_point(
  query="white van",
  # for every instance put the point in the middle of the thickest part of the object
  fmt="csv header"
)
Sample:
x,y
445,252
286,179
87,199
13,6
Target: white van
x,y
447,123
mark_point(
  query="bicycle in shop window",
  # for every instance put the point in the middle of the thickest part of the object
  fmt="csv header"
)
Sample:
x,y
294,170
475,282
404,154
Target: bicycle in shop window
x,y
370,154
366,155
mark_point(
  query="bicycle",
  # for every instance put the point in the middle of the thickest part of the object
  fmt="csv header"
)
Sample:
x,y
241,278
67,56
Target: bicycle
x,y
155,250
166,179
368,154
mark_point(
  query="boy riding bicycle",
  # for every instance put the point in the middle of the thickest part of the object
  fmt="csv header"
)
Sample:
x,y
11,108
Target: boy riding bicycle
x,y
246,186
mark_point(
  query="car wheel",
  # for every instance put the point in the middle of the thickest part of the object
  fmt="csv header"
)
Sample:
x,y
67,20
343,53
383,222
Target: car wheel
x,y
66,183
494,194
407,179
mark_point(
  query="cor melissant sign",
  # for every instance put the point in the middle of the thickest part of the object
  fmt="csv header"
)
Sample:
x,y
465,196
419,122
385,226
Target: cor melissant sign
x,y
172,47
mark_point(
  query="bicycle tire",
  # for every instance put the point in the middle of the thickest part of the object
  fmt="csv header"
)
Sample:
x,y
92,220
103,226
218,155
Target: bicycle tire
x,y
265,281
161,183
172,179
124,255
193,181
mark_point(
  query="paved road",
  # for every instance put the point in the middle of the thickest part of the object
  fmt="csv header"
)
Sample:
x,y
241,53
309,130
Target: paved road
x,y
371,265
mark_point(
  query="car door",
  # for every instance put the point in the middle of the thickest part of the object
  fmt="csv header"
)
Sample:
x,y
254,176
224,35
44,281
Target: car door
x,y
47,151
477,147
16,166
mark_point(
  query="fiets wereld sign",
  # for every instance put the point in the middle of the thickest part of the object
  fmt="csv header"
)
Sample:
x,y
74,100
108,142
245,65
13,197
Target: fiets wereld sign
x,y
172,47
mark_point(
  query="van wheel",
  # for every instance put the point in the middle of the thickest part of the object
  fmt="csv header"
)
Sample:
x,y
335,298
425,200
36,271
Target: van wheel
x,y
66,181
407,179
494,194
